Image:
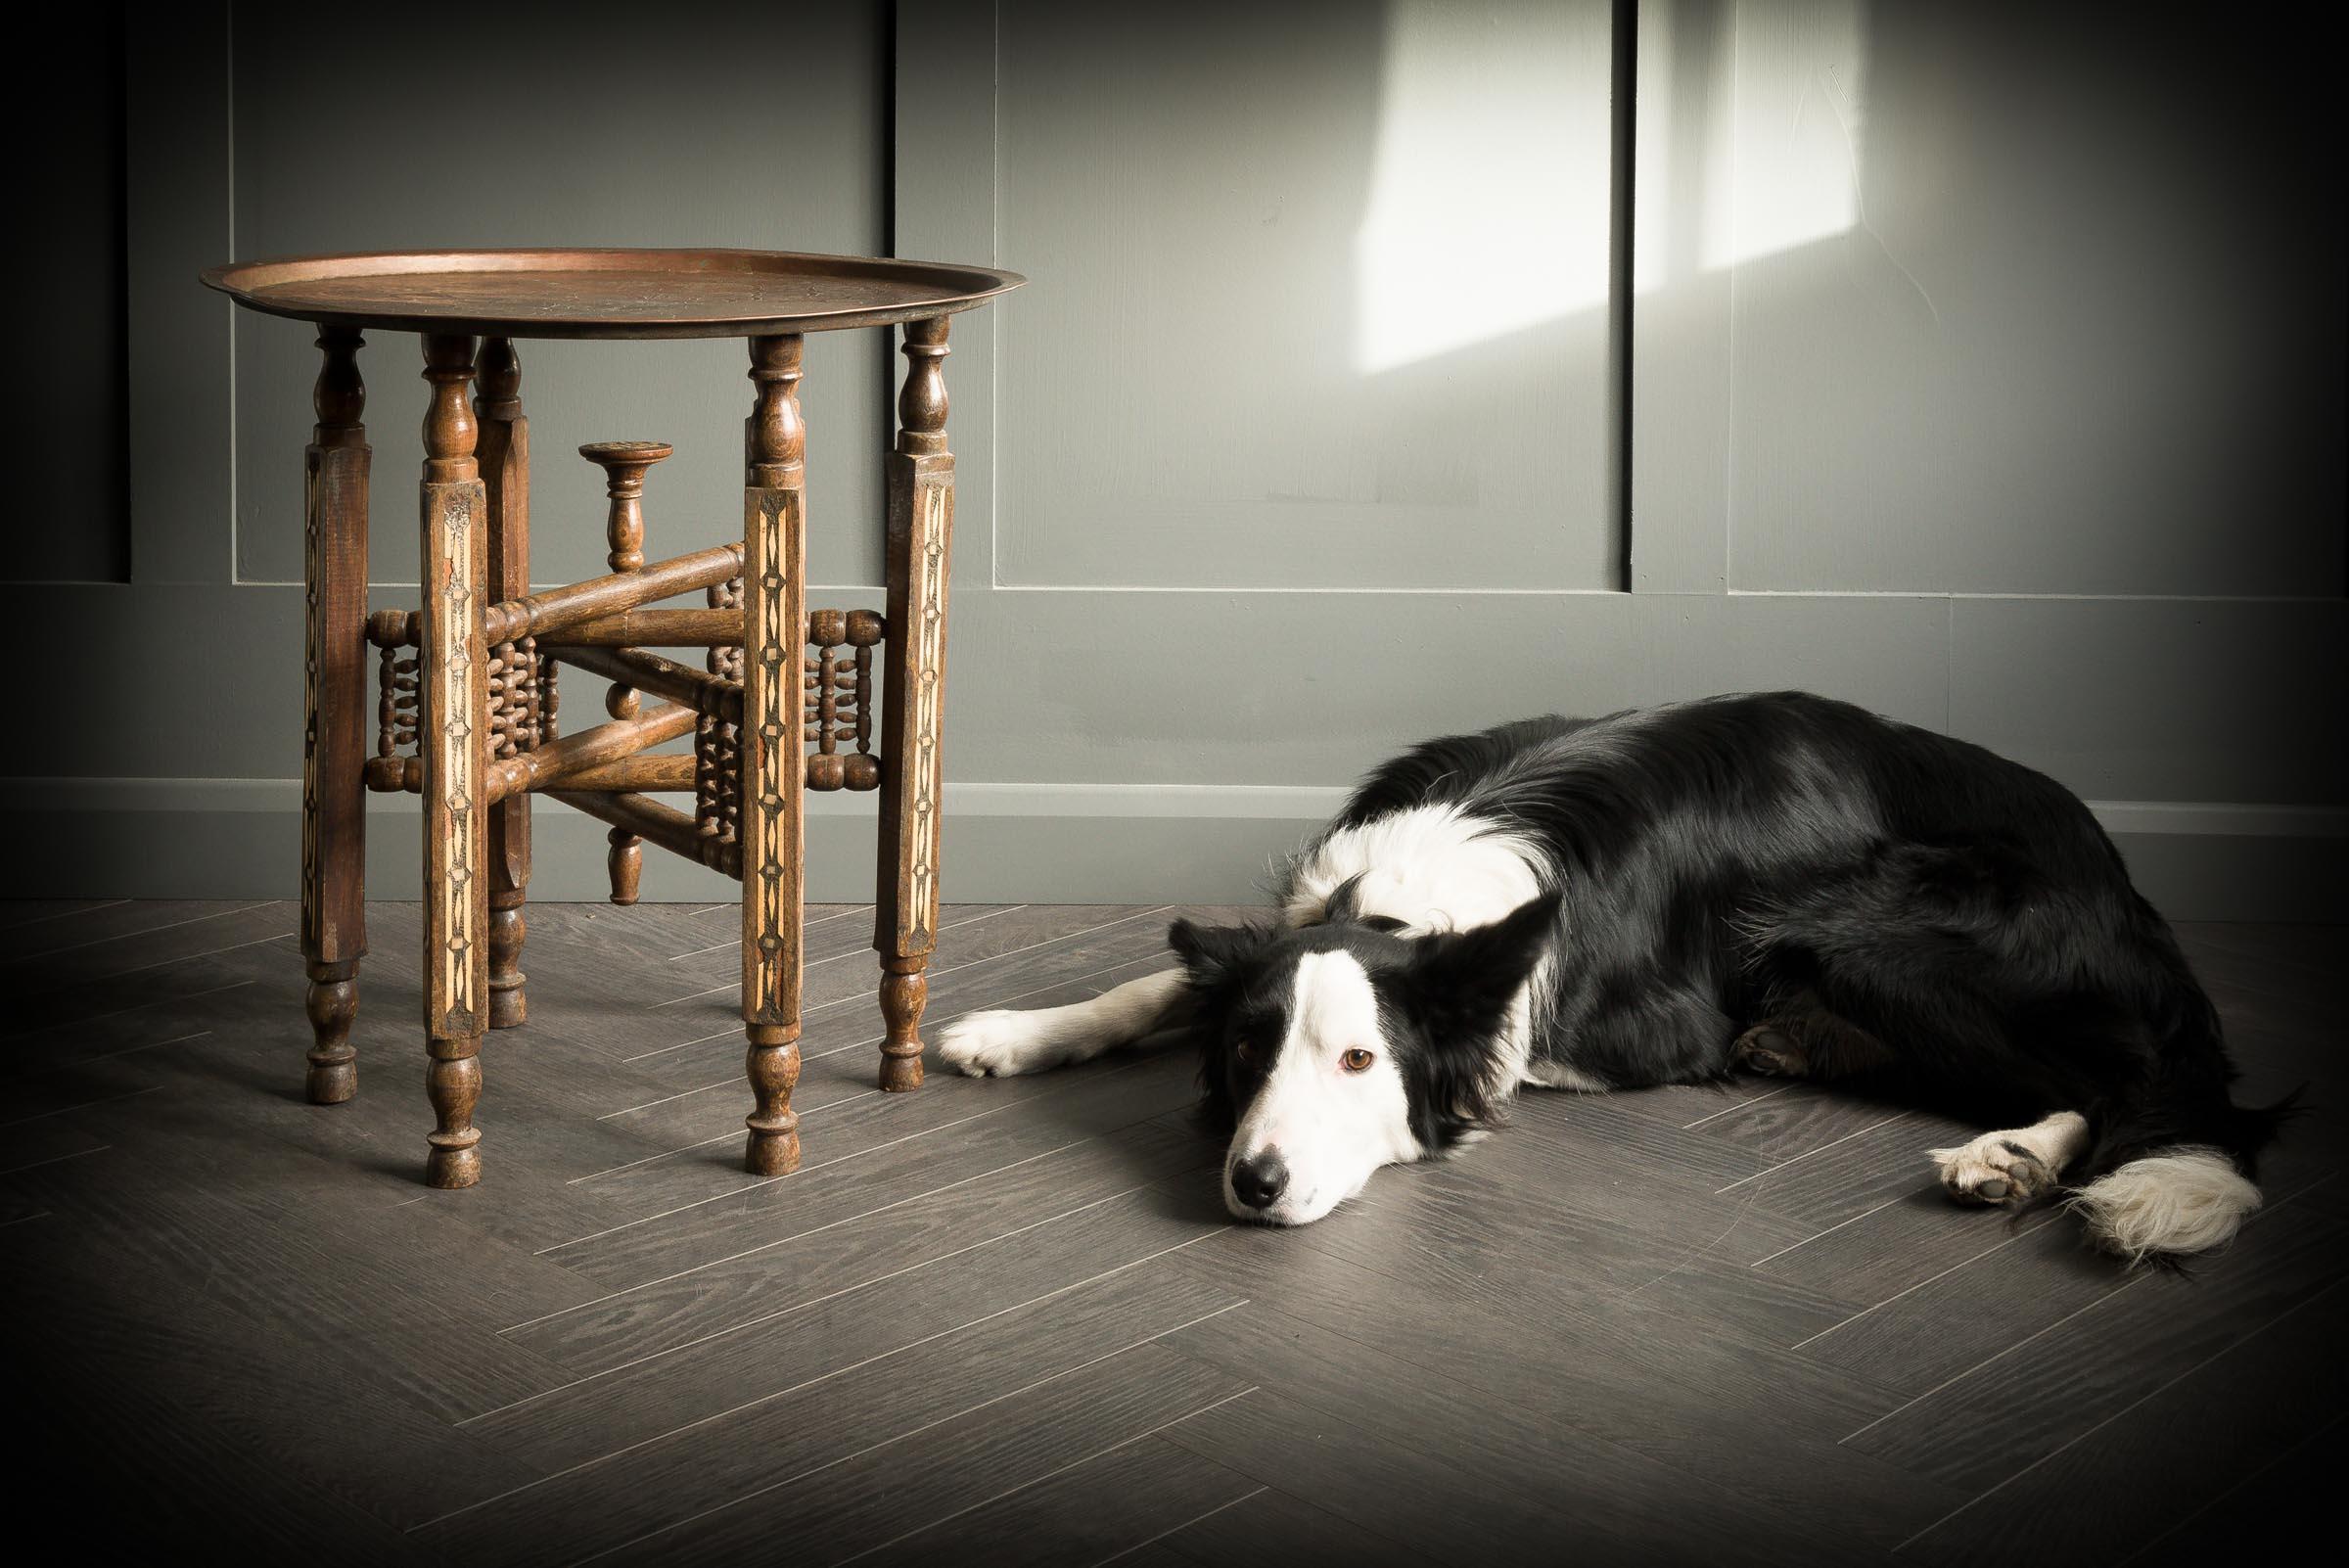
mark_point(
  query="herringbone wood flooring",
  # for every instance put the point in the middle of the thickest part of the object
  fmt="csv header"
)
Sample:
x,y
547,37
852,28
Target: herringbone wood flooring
x,y
1007,1321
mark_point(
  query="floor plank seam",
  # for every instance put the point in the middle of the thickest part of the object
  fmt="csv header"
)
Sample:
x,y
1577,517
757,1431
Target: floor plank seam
x,y
1898,1197
2151,1394
132,936
134,1050
736,1082
1201,1518
1808,1153
63,914
799,1235
2130,1283
730,1031
1996,1356
766,1399
1731,1109
58,1159
910,1432
1744,1213
840,957
19,1035
736,942
768,1181
1038,1481
66,1110
2017,1235
2286,1458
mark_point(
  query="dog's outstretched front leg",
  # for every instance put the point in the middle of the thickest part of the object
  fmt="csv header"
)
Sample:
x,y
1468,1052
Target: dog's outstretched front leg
x,y
1003,1041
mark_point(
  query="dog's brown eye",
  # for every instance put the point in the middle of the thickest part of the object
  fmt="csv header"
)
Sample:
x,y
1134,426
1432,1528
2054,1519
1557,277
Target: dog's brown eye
x,y
1245,1052
1356,1060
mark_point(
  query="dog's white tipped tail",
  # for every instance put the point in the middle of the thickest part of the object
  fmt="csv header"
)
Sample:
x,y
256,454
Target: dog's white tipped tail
x,y
2185,1199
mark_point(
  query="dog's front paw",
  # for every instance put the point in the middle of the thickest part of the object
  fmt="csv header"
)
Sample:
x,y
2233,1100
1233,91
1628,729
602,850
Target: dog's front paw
x,y
999,1043
1994,1170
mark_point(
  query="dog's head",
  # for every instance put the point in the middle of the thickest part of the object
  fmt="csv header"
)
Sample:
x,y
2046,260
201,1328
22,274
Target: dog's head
x,y
1339,1047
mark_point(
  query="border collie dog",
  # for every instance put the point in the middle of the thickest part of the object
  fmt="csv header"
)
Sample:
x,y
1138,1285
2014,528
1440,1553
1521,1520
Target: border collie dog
x,y
1778,882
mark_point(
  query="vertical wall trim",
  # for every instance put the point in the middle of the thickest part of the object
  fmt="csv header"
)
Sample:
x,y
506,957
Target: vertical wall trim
x,y
1623,132
176,156
228,175
945,166
1682,336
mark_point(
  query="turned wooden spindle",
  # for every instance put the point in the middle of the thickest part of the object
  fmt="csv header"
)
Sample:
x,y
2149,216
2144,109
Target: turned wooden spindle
x,y
770,827
921,525
333,748
504,455
453,739
624,465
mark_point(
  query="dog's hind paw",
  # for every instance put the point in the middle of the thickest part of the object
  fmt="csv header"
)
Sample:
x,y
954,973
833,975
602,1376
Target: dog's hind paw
x,y
1994,1169
999,1043
1773,1051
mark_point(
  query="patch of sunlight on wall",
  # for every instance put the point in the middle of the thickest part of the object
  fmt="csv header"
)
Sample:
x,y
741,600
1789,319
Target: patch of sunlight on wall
x,y
1487,200
1796,115
1489,204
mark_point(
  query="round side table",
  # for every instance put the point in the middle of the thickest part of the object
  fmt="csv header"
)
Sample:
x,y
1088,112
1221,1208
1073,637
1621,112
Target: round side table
x,y
466,715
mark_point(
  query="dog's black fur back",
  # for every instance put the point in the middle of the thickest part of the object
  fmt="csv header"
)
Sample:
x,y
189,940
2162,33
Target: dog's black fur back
x,y
1741,858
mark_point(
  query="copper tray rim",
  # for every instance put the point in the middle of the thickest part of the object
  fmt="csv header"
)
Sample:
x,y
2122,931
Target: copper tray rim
x,y
247,283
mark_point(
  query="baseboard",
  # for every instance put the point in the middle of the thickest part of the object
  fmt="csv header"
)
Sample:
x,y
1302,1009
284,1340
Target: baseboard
x,y
1007,843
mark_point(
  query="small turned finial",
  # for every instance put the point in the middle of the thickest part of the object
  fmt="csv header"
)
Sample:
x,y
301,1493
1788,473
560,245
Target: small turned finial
x,y
498,379
774,439
624,860
624,464
340,397
450,430
922,403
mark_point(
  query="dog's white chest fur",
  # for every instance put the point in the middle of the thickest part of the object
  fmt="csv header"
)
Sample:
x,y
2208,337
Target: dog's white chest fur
x,y
1432,867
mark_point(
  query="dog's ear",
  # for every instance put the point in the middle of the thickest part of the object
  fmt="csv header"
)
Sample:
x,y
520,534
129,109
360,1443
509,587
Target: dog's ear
x,y
1461,981
1213,954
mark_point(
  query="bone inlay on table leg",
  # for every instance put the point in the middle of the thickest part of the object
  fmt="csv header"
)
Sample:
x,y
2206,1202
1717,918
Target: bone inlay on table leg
x,y
921,527
453,738
504,457
333,745
770,828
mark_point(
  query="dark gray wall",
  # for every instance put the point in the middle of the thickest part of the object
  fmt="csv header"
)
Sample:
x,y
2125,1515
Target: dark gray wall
x,y
1984,368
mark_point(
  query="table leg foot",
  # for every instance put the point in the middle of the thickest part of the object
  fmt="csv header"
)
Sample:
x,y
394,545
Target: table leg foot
x,y
774,1067
453,1081
904,993
332,1005
509,1008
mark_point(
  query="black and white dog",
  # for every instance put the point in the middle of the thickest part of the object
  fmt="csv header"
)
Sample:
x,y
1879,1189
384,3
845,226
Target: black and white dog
x,y
1781,883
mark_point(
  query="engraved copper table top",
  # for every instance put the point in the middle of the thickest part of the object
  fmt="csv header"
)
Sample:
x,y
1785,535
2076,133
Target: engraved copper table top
x,y
607,293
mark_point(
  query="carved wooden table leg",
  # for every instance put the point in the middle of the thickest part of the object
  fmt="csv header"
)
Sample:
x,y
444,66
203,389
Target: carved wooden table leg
x,y
624,465
773,775
921,527
505,464
333,750
454,740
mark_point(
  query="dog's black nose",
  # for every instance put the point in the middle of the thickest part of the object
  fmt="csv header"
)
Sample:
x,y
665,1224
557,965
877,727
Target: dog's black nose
x,y
1259,1182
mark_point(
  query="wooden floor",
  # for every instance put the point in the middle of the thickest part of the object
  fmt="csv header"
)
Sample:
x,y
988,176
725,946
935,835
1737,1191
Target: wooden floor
x,y
1006,1322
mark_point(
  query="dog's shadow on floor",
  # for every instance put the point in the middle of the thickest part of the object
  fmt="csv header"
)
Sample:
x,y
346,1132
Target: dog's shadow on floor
x,y
1139,1107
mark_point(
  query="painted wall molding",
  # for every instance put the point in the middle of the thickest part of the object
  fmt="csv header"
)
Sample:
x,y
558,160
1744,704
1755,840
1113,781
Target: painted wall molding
x,y
1008,842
